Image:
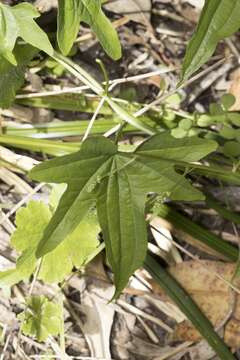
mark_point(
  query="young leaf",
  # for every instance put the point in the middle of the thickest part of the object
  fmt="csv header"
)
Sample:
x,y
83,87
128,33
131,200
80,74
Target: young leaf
x,y
93,15
72,252
27,227
25,266
118,182
28,29
72,12
69,17
8,33
219,19
41,318
56,265
18,21
12,77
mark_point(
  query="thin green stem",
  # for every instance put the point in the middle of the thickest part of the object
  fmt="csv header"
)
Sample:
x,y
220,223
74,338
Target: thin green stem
x,y
82,75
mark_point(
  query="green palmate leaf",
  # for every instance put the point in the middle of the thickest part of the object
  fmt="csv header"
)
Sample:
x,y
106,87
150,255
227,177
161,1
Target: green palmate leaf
x,y
31,222
219,19
28,29
41,318
18,21
72,12
8,33
12,77
118,182
73,252
28,227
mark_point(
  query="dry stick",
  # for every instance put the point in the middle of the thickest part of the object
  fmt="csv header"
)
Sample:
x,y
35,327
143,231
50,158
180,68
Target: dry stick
x,y
138,312
165,96
183,347
5,347
79,322
148,330
34,343
91,123
80,89
77,89
69,357
145,315
186,83
61,355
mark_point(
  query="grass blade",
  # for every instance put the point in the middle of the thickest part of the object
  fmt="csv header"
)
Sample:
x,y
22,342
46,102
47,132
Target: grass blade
x,y
55,148
68,102
198,232
216,172
59,129
222,210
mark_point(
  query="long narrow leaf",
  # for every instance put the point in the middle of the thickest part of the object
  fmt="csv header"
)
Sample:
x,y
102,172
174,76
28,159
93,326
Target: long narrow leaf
x,y
219,19
55,148
61,129
198,232
222,210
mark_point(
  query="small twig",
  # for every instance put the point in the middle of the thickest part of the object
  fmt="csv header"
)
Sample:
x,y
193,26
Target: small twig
x,y
148,330
80,89
136,311
90,125
172,92
5,347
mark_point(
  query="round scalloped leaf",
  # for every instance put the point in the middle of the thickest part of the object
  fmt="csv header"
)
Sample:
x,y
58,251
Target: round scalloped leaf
x,y
231,149
185,124
227,132
228,100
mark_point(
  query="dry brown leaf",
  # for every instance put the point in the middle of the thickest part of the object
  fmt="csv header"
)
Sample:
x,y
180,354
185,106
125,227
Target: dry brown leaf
x,y
213,296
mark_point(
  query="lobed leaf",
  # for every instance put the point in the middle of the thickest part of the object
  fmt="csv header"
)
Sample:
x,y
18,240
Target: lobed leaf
x,y
8,33
18,21
118,183
56,265
41,318
29,31
11,76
